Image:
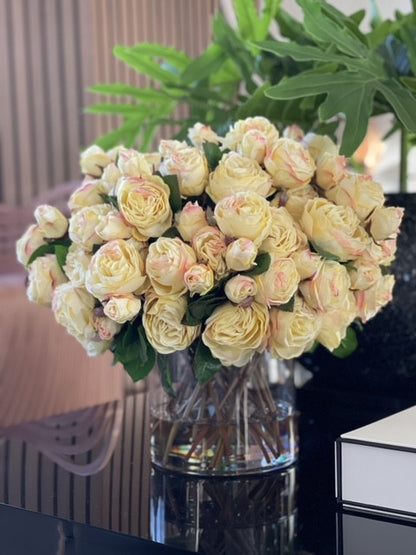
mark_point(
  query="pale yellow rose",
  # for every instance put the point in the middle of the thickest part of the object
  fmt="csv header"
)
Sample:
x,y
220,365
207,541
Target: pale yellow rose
x,y
111,175
153,159
83,224
188,163
385,222
245,214
105,327
241,255
199,279
319,144
283,238
257,132
279,283
334,229
359,192
292,333
294,200
293,132
307,262
382,253
328,287
51,221
162,321
235,174
241,288
45,275
234,333
335,323
90,193
289,163
132,163
117,268
373,299
93,161
31,240
76,264
209,246
166,263
122,308
330,170
200,134
363,273
113,226
95,347
189,220
73,308
144,202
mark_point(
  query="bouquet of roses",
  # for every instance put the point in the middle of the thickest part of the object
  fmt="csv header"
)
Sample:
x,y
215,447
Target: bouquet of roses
x,y
232,245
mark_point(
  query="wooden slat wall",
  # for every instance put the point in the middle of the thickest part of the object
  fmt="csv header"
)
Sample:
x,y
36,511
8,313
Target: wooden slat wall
x,y
50,52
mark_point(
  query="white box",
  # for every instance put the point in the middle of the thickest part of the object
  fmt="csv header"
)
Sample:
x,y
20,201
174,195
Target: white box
x,y
376,466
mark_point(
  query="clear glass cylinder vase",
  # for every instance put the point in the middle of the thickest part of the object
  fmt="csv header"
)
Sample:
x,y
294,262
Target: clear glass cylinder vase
x,y
241,422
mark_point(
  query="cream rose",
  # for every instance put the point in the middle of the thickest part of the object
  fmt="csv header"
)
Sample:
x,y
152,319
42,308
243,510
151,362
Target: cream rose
x,y
132,163
283,238
292,333
363,273
166,264
293,132
244,214
83,225
251,137
240,288
294,200
73,308
113,226
45,275
162,321
31,240
382,253
330,170
117,268
189,220
76,264
209,246
111,175
385,222
93,161
199,279
373,299
153,159
328,287
359,192
334,229
240,255
279,283
88,194
51,221
307,262
188,163
95,347
122,308
235,174
104,326
289,163
234,333
144,202
319,144
200,134
335,323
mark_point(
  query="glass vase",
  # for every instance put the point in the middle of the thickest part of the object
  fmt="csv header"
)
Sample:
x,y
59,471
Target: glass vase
x,y
241,422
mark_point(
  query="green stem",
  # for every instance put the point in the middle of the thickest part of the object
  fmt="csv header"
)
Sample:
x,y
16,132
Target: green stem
x,y
403,159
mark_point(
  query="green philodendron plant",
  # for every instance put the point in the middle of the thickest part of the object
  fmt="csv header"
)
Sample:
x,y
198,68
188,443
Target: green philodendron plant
x,y
323,71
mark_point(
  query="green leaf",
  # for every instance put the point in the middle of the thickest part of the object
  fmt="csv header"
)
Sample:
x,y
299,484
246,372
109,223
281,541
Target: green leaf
x,y
205,65
299,52
289,306
171,55
132,349
401,100
262,264
145,65
213,154
247,18
110,199
205,365
175,194
117,109
200,307
348,345
144,95
61,252
41,251
163,363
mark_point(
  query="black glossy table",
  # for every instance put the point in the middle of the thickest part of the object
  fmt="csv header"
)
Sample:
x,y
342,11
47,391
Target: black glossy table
x,y
47,508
